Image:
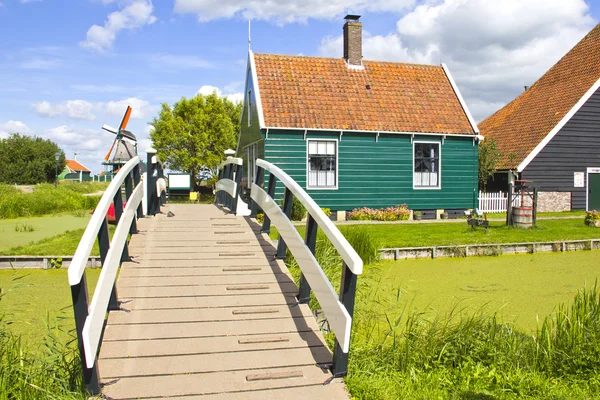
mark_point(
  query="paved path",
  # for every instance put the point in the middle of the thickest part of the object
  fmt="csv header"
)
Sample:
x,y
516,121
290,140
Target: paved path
x,y
209,314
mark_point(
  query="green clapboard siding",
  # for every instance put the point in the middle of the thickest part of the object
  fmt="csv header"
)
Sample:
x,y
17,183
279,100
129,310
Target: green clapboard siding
x,y
380,174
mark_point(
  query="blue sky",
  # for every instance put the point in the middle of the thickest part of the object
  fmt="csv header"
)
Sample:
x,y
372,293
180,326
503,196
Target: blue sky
x,y
69,66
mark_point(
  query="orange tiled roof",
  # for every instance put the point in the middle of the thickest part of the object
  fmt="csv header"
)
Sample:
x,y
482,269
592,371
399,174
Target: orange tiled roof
x,y
523,123
314,92
75,166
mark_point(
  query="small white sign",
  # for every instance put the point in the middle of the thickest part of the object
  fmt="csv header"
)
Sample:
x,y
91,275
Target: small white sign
x,y
579,179
180,181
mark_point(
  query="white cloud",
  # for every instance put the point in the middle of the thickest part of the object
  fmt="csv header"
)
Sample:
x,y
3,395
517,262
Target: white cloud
x,y
492,48
135,15
208,90
140,108
74,109
90,145
11,126
284,11
173,61
84,110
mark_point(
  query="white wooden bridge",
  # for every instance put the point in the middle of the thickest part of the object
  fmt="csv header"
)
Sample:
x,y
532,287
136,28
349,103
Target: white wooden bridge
x,y
203,307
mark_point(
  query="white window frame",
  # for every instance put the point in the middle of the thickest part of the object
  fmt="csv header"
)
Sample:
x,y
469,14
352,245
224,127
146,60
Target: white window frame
x,y
439,185
337,159
249,94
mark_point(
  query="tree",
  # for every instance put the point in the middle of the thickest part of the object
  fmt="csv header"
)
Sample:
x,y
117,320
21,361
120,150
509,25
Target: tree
x,y
26,160
488,161
195,132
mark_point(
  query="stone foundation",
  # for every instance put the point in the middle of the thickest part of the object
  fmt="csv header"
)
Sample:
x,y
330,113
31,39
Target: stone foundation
x,y
554,201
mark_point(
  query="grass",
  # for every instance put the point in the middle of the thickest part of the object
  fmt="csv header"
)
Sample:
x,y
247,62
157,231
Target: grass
x,y
467,329
40,228
449,234
45,199
34,299
38,352
63,244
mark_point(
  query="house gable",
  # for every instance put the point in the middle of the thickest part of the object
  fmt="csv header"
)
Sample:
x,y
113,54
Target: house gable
x,y
572,149
524,126
251,118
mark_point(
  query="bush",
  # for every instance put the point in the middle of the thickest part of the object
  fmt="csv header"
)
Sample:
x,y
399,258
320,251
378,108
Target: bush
x,y
326,211
397,213
298,210
592,215
45,199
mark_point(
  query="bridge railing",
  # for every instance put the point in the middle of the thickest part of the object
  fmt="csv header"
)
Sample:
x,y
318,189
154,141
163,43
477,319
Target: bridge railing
x,y
156,187
338,309
89,318
228,185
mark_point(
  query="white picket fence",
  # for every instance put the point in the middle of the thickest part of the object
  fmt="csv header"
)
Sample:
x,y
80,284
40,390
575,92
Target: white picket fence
x,y
495,202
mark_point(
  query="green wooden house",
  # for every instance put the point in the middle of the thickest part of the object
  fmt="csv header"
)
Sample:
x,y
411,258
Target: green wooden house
x,y
75,171
358,133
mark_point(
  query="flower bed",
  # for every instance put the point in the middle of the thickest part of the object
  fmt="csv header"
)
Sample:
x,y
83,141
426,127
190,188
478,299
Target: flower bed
x,y
397,213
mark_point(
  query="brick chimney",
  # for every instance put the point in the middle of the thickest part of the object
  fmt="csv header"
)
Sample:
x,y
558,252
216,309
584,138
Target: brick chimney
x,y
353,40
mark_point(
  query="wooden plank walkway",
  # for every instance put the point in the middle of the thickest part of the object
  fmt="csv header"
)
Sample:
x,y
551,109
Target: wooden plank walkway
x,y
209,314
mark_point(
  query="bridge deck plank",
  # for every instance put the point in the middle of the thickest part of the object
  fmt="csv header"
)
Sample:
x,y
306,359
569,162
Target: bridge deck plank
x,y
209,314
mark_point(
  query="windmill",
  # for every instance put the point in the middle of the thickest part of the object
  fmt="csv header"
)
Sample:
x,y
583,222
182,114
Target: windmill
x,y
124,145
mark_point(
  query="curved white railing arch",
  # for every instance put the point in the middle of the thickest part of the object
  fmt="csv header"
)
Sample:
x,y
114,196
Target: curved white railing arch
x,y
89,320
77,266
338,309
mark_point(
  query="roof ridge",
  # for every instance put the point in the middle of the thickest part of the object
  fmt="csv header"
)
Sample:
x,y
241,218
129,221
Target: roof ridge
x,y
342,59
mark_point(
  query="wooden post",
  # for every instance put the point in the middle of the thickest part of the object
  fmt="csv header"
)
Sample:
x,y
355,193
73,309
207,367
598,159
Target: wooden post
x,y
266,228
239,172
311,242
219,193
151,186
136,181
79,295
534,205
118,204
258,181
509,205
104,245
347,293
128,192
287,210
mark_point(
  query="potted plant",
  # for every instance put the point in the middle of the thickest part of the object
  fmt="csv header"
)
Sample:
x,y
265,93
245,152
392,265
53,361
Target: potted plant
x,y
417,215
592,218
444,215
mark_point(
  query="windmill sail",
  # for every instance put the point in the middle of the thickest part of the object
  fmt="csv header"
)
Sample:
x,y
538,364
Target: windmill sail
x,y
124,145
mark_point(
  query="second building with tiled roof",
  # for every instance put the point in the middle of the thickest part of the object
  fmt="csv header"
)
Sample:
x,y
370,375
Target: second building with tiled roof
x,y
360,133
550,133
